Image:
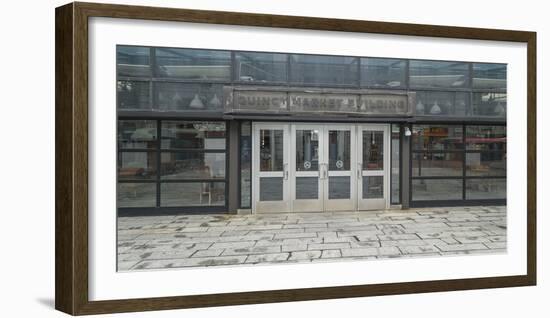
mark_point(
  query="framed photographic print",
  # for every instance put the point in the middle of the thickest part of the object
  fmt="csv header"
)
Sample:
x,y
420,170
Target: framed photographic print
x,y
210,158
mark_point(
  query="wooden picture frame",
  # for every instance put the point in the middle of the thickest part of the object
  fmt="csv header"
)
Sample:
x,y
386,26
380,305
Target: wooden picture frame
x,y
71,221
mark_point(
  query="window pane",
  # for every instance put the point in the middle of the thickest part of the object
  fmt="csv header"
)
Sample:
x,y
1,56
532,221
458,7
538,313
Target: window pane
x,y
489,104
395,167
339,150
373,187
436,189
133,61
437,137
322,69
442,103
271,150
192,194
307,188
489,75
192,165
486,164
133,95
246,163
189,97
271,189
193,64
339,188
260,67
438,74
478,189
373,150
307,150
193,135
137,165
380,72
132,195
437,164
137,134
486,138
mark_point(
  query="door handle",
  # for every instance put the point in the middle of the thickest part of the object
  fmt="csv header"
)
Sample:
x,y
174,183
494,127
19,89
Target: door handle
x,y
359,170
325,170
285,171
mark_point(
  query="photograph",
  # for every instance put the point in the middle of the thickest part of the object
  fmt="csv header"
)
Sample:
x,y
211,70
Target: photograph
x,y
219,158
242,158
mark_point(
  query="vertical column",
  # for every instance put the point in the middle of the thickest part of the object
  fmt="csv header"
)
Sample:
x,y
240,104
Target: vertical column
x,y
405,167
233,167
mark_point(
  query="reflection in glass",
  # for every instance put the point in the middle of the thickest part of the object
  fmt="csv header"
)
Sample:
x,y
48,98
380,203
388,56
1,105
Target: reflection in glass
x,y
381,72
489,75
436,189
246,163
133,61
485,189
437,137
486,138
339,150
133,195
260,67
486,164
193,64
133,95
373,187
323,70
271,150
189,97
489,104
339,187
437,164
192,165
271,188
193,135
307,150
373,150
307,188
137,165
395,167
442,103
137,134
192,194
438,74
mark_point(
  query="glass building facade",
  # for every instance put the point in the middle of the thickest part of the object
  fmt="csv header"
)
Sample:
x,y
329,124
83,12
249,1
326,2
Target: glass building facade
x,y
187,139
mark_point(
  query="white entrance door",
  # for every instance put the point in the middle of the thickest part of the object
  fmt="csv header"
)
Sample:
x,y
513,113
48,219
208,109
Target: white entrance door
x,y
372,166
306,162
271,154
338,172
320,167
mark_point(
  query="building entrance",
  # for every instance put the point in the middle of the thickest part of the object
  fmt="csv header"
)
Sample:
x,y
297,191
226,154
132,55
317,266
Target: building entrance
x,y
314,167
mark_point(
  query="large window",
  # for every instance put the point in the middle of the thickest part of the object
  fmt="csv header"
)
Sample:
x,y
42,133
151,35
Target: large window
x,y
383,73
186,169
260,67
193,64
192,81
458,162
438,74
323,70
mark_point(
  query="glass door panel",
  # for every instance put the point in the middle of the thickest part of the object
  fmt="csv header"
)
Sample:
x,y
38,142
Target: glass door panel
x,y
373,143
305,168
271,172
339,168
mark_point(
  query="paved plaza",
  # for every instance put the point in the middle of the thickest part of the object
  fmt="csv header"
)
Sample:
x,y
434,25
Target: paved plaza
x,y
159,242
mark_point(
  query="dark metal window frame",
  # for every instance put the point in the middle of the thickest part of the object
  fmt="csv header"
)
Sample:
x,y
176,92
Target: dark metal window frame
x,y
463,177
401,131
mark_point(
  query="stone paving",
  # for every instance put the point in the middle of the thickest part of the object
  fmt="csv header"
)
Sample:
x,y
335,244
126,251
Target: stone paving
x,y
159,242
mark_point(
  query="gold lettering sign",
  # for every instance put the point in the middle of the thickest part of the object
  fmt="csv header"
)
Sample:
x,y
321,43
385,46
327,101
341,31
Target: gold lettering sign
x,y
313,102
